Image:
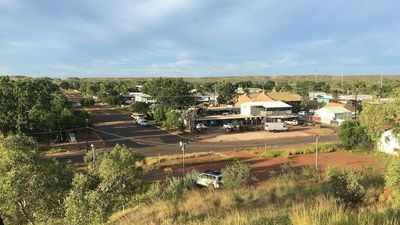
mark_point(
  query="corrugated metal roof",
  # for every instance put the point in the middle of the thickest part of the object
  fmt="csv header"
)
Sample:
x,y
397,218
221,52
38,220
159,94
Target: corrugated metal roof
x,y
334,109
269,104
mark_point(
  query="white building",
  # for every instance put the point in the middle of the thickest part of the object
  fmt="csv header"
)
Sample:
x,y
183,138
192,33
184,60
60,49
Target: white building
x,y
389,143
332,115
142,97
265,108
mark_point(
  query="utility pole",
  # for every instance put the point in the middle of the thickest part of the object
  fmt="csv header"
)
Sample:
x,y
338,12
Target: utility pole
x,y
316,152
94,157
341,87
183,146
87,135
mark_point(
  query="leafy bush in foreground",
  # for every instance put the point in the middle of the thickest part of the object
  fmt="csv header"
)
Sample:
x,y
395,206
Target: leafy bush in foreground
x,y
346,185
392,178
235,176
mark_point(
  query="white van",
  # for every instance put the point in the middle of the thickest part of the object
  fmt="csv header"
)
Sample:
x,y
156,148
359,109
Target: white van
x,y
275,126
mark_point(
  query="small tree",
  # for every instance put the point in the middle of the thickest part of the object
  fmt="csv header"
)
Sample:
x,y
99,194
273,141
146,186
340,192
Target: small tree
x,y
392,178
64,85
140,107
235,176
31,185
352,133
346,185
87,102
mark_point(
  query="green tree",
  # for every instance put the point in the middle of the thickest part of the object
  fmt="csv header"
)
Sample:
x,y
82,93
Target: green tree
x,y
346,185
380,115
87,102
140,107
31,185
64,85
226,92
159,114
268,85
392,178
170,93
174,120
352,133
96,195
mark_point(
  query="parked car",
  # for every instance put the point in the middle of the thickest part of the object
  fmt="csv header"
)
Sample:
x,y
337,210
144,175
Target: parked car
x,y
201,126
275,127
210,179
143,122
292,122
303,113
228,126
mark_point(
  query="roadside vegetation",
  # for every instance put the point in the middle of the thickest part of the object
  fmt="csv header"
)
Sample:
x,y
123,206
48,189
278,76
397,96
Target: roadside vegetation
x,y
340,196
36,107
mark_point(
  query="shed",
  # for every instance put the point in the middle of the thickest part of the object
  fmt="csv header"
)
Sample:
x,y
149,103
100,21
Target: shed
x,y
332,115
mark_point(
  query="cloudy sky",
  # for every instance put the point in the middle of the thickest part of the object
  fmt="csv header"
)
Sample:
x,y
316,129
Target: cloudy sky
x,y
198,38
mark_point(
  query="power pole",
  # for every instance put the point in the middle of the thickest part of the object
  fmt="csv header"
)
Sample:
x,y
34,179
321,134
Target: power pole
x,y
316,152
341,87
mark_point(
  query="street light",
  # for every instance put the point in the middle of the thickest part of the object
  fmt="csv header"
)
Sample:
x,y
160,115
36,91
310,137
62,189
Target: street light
x,y
94,157
87,135
183,145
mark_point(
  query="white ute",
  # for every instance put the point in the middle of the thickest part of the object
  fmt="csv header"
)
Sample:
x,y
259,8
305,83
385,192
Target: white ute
x,y
210,179
275,127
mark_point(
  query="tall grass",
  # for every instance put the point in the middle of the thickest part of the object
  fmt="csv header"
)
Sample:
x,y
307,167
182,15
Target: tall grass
x,y
296,199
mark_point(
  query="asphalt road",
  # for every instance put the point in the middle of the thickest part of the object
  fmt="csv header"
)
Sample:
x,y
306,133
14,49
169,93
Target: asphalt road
x,y
116,128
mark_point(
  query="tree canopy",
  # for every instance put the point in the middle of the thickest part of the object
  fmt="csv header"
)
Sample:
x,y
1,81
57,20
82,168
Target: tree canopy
x,y
170,93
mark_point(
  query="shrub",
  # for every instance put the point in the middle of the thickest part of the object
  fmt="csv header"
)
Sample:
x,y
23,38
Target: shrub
x,y
352,133
87,102
272,154
175,189
392,178
235,176
346,185
140,107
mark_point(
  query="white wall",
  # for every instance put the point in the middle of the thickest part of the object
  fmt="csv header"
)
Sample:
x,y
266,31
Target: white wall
x,y
245,109
389,143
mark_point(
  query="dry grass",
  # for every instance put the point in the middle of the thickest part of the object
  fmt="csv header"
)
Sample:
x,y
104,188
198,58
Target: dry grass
x,y
281,200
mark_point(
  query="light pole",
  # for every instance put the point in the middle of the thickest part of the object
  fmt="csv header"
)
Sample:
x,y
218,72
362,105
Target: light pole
x,y
87,135
183,146
316,152
94,157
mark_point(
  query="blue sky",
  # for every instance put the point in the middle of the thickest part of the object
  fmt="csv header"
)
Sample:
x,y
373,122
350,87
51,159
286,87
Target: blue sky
x,y
198,38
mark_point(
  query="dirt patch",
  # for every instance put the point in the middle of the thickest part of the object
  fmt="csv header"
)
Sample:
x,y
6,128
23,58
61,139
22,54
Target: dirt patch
x,y
293,132
261,168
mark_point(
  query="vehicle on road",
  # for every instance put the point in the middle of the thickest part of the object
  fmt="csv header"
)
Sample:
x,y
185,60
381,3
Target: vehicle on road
x,y
302,113
229,127
292,122
201,126
275,127
210,179
143,122
136,117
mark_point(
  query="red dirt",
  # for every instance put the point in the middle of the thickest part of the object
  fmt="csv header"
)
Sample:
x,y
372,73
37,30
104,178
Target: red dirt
x,y
261,168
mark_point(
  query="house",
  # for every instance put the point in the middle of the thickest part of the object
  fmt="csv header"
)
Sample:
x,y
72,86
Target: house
x,y
268,110
320,96
253,97
389,143
141,97
206,98
332,115
292,99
